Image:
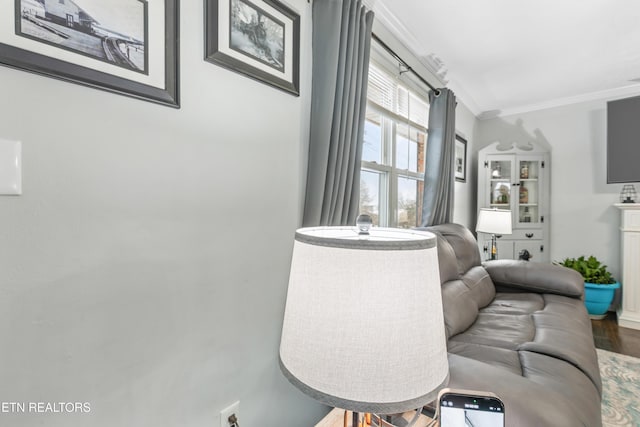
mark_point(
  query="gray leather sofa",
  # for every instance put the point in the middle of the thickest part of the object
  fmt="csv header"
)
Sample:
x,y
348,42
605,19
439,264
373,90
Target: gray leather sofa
x,y
520,330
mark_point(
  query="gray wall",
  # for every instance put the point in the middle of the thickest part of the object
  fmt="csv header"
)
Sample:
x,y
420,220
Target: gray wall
x,y
464,209
144,269
583,218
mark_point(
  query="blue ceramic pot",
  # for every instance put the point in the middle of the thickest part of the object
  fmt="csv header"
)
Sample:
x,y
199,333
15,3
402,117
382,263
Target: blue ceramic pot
x,y
598,297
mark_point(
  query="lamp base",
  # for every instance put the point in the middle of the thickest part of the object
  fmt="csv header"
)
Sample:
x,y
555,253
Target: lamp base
x,y
493,253
398,420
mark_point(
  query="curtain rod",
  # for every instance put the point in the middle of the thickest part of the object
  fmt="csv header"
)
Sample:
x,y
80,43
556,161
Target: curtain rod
x,y
395,55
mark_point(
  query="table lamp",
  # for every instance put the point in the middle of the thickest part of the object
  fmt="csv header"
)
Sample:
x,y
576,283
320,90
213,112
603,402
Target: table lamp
x,y
494,222
363,325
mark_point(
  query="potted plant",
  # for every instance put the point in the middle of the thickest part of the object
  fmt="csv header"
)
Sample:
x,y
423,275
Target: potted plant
x,y
599,285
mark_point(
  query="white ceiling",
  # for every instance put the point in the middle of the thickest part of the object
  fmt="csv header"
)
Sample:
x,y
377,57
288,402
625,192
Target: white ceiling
x,y
506,56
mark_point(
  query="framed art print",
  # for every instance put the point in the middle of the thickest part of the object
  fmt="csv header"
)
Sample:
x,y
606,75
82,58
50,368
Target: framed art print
x,y
258,38
461,159
129,47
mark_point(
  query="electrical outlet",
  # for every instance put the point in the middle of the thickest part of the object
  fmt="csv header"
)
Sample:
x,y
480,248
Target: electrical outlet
x,y
233,409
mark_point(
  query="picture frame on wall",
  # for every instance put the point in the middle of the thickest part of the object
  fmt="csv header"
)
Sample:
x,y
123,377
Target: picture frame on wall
x,y
128,47
461,159
257,38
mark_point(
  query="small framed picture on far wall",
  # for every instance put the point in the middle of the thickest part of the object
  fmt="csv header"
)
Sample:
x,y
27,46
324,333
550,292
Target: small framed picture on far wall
x,y
461,159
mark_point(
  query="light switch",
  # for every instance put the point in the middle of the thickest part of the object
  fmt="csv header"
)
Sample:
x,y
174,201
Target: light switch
x,y
10,167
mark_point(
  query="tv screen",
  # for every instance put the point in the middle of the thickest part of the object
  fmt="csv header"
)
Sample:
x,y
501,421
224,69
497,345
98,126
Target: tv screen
x,y
623,140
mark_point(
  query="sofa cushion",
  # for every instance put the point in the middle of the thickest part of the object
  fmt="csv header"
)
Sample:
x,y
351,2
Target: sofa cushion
x,y
549,325
459,249
550,392
501,358
466,285
557,375
463,298
496,330
460,310
510,303
563,331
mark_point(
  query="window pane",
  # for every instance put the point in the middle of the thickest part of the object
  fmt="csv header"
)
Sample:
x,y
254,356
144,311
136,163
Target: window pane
x,y
370,195
419,111
408,200
410,148
419,203
402,147
372,148
419,140
402,107
413,151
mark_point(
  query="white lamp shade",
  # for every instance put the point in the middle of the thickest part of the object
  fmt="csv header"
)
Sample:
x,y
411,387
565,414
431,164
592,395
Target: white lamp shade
x,y
494,221
363,326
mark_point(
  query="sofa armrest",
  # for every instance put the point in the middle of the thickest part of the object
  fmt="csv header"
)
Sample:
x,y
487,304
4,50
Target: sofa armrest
x,y
535,277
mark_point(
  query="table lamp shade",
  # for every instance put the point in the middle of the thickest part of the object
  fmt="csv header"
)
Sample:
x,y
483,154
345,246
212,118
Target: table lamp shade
x,y
363,326
494,221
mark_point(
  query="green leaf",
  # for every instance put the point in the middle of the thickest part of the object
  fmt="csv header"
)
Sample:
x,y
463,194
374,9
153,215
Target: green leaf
x,y
591,269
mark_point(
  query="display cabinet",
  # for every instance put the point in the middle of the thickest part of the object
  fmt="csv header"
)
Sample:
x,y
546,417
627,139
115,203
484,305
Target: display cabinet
x,y
516,178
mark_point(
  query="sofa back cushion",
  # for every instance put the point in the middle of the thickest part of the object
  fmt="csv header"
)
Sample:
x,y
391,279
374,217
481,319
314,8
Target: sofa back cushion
x,y
466,285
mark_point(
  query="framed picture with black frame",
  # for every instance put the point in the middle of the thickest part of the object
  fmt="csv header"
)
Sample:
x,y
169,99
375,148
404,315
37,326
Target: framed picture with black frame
x,y
128,47
257,38
461,159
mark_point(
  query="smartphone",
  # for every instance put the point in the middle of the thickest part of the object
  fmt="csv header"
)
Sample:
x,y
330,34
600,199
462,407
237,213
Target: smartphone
x,y
468,408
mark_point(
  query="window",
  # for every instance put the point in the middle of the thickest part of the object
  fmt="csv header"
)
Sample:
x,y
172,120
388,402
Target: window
x,y
393,154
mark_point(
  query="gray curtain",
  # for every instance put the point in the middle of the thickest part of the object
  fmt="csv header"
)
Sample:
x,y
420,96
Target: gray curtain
x,y
341,46
437,202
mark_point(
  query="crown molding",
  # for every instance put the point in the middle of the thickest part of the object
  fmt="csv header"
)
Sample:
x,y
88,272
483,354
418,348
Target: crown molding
x,y
463,96
603,95
400,32
396,29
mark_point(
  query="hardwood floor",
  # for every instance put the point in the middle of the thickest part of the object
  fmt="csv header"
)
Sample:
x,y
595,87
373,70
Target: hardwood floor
x,y
609,336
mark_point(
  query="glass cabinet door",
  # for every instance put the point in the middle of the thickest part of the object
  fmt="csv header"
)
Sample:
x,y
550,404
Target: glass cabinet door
x,y
500,184
528,191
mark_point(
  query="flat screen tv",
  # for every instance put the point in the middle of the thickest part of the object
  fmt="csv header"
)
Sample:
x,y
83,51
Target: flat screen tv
x,y
623,140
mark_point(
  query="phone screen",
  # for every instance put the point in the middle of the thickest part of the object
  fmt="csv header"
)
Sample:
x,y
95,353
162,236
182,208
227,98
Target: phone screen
x,y
461,410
